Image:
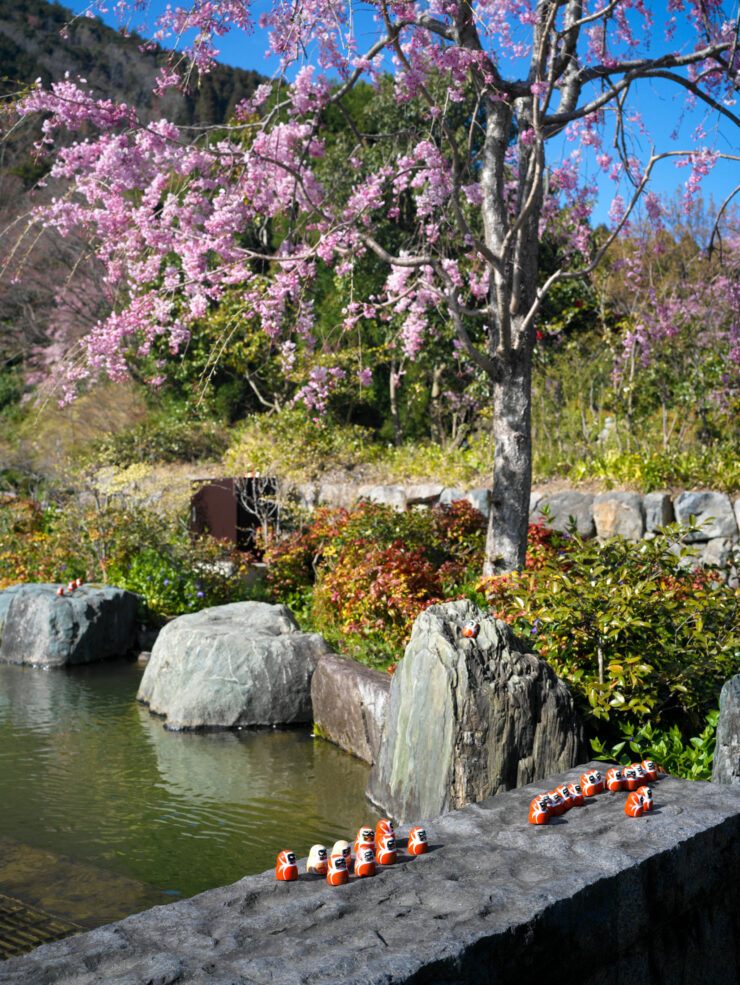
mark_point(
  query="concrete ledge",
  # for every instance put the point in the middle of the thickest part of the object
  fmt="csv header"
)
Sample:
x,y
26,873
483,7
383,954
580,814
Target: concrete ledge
x,y
593,897
350,704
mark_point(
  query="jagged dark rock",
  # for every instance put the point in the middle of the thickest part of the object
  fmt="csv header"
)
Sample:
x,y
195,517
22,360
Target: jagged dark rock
x,y
726,765
469,717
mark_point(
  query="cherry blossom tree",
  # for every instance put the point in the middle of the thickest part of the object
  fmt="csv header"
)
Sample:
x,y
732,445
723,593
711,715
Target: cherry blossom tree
x,y
516,96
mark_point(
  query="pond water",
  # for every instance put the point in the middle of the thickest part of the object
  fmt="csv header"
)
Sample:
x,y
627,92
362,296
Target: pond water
x,y
104,813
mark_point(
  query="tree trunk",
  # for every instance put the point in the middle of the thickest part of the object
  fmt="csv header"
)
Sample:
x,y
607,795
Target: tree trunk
x,y
395,417
506,542
435,413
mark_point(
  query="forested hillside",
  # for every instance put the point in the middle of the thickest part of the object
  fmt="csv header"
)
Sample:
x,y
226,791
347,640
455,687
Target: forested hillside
x,y
41,40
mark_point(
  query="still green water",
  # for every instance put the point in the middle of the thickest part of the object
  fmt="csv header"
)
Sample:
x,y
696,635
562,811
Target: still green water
x,y
103,812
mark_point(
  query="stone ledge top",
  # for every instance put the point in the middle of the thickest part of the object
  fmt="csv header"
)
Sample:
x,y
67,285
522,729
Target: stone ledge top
x,y
492,888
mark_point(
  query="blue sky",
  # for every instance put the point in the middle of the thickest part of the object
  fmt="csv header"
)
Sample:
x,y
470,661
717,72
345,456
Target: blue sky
x,y
661,106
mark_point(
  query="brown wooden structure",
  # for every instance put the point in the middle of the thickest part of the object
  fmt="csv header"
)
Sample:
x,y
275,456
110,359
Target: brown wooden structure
x,y
233,508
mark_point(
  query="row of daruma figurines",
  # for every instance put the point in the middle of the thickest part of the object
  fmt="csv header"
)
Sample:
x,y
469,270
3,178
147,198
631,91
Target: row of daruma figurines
x,y
71,586
370,847
633,778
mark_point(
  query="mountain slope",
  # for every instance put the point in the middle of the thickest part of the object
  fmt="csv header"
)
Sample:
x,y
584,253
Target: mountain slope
x,y
41,40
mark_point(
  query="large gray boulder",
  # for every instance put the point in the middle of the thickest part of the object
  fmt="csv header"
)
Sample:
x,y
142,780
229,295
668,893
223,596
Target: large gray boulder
x,y
350,705
469,717
562,506
726,766
712,510
480,499
450,495
337,495
246,663
41,628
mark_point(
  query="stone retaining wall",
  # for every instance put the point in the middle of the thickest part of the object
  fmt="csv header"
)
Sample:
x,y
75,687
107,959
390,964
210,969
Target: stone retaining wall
x,y
350,705
626,514
592,897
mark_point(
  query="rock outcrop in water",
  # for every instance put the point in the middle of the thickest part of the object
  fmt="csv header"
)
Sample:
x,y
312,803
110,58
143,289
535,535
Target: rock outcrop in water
x,y
41,628
469,717
246,663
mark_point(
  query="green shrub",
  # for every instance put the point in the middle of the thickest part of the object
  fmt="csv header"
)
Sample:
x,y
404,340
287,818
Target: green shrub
x,y
639,638
372,570
183,576
690,759
301,449
715,468
297,447
170,435
130,547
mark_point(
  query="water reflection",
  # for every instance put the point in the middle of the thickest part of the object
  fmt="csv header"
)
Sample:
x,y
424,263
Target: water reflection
x,y
87,773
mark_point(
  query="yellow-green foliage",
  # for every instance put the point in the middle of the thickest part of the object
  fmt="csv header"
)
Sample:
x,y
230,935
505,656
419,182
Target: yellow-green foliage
x,y
49,438
163,488
713,468
293,445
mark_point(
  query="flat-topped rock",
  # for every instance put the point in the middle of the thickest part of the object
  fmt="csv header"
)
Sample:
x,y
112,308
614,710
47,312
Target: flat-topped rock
x,y
619,514
43,629
350,704
713,511
606,898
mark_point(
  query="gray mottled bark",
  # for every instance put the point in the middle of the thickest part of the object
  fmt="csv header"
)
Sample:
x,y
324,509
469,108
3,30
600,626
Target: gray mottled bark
x,y
506,541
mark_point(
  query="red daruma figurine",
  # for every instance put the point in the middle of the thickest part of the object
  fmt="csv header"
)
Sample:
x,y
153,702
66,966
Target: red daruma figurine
x,y
539,812
337,874
614,779
566,795
576,793
386,853
557,804
365,839
365,862
384,827
651,770
635,805
592,783
647,798
630,778
418,844
286,869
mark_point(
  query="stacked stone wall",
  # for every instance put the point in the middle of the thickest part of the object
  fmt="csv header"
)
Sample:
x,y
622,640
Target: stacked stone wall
x,y
633,515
